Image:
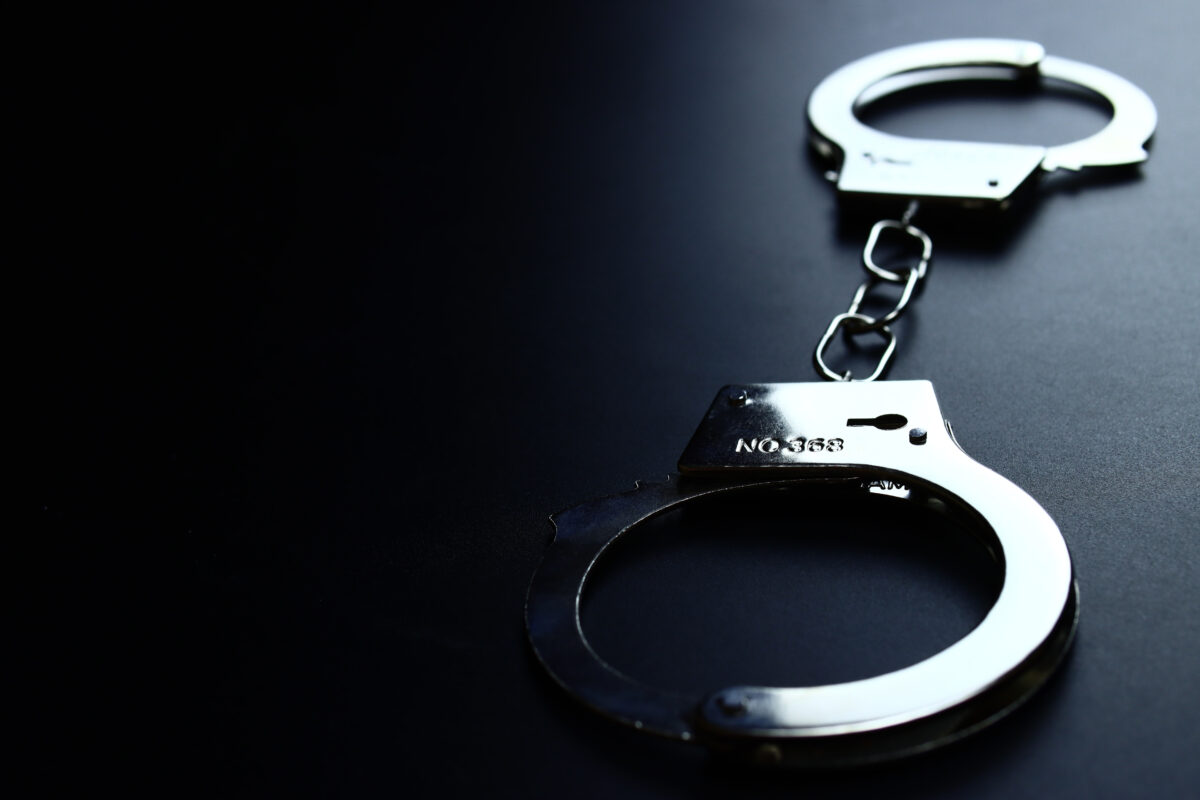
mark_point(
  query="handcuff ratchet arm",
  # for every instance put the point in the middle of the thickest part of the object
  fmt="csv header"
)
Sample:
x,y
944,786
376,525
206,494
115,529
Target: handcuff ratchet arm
x,y
960,689
872,163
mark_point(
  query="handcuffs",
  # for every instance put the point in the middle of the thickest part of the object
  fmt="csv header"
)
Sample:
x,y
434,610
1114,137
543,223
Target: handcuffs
x,y
887,438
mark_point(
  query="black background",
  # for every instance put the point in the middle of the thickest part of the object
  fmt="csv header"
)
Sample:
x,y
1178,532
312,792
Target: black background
x,y
330,311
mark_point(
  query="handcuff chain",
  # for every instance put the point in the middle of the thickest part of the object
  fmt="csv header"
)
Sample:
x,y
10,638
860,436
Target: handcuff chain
x,y
853,322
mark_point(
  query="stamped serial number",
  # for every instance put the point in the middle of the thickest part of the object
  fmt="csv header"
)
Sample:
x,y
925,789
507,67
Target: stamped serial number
x,y
797,444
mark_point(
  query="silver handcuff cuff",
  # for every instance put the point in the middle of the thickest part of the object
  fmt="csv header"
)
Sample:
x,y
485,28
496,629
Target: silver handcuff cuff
x,y
860,436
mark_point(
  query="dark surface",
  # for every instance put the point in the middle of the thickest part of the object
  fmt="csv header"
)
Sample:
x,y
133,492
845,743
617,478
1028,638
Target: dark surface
x,y
332,311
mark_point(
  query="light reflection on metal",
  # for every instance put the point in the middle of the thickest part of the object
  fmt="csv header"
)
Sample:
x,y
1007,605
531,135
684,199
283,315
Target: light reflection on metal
x,y
871,163
843,436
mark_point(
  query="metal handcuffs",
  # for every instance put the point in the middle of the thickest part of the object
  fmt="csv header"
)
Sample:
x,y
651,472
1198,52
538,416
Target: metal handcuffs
x,y
760,434
874,163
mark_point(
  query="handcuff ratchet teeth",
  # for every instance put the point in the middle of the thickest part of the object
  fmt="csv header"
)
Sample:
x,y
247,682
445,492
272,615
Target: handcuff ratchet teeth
x,y
855,438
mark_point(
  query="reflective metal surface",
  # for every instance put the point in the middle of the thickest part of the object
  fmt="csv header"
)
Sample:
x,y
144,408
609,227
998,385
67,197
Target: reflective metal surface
x,y
854,322
854,438
873,163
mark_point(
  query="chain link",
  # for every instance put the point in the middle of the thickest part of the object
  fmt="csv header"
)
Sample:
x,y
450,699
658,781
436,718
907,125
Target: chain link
x,y
854,322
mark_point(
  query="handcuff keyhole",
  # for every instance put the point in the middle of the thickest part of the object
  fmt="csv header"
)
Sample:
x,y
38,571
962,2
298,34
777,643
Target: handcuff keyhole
x,y
884,422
